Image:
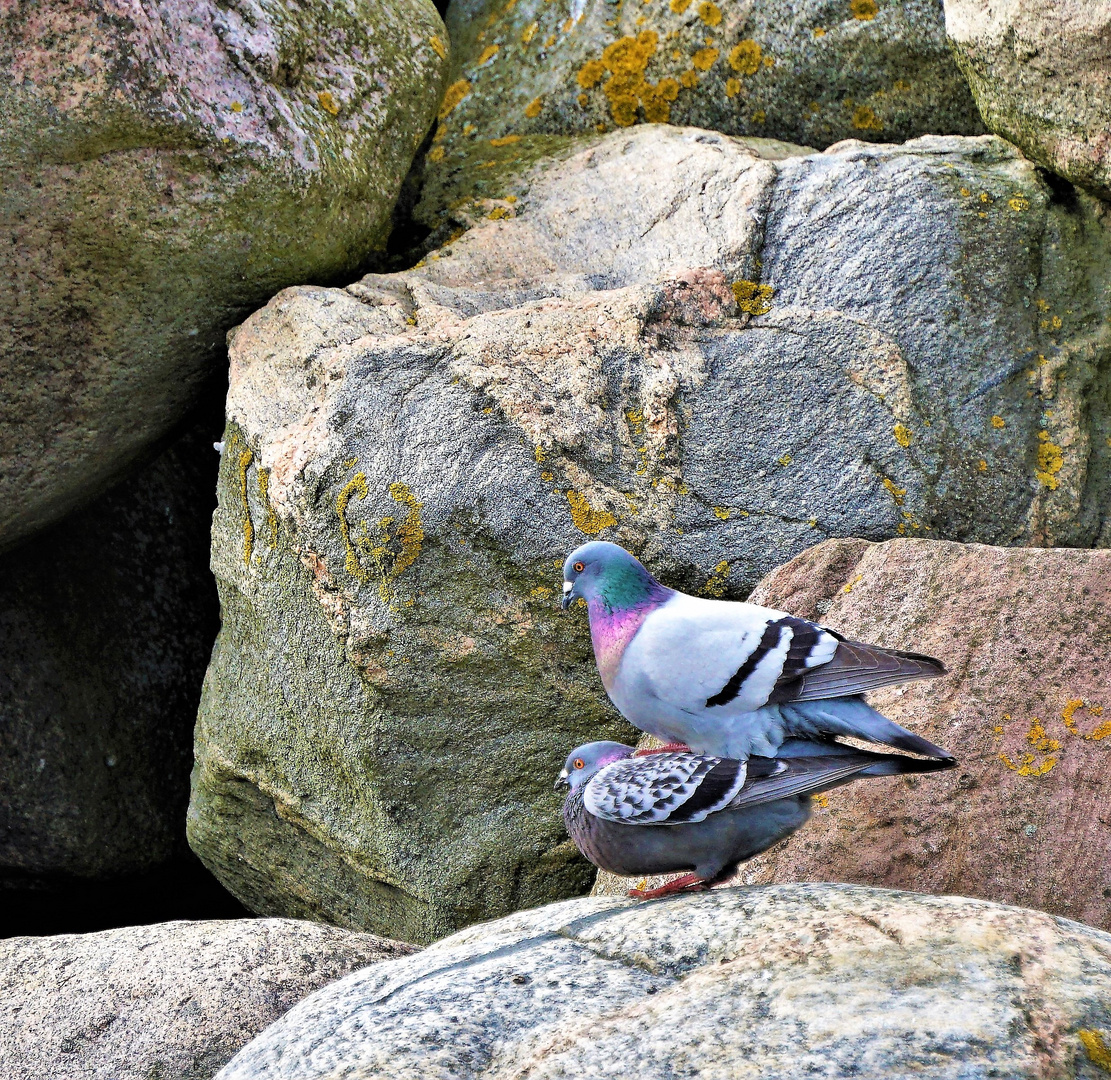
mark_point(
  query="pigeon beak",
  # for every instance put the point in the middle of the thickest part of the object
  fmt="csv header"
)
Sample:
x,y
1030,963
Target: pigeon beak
x,y
565,603
562,781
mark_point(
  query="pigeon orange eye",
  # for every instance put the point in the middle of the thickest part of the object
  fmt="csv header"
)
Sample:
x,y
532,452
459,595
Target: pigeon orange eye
x,y
578,568
579,763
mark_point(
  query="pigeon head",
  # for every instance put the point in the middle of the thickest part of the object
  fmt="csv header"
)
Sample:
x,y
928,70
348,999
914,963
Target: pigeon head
x,y
584,761
606,572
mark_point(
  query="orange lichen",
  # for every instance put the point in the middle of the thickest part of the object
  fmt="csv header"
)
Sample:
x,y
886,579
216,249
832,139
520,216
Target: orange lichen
x,y
271,517
679,6
1069,717
998,422
487,55
356,487
689,79
902,435
732,87
532,109
704,59
752,297
722,512
1096,1049
745,57
591,73
626,60
715,585
585,517
438,46
863,9
505,140
529,32
242,464
452,96
864,119
709,13
1018,203
1049,461
327,102
897,493
436,154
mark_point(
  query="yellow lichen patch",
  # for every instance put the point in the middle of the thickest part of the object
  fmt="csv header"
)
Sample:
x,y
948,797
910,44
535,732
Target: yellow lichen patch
x,y
410,533
1069,717
759,116
497,214
591,73
529,32
540,454
849,587
436,154
717,581
354,488
583,100
769,61
327,102
549,41
1096,1049
532,109
351,462
689,79
271,517
902,435
1018,203
784,459
679,6
998,422
1028,765
863,9
753,297
1041,305
821,801
819,31
1049,462
745,57
243,463
709,13
585,517
1038,739
897,493
983,466
452,96
438,46
722,512
237,106
864,119
547,477
505,140
732,87
541,590
488,54
469,128
668,88
704,59
626,59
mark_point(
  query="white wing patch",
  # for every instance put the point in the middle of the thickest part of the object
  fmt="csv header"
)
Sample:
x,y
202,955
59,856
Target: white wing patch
x,y
663,789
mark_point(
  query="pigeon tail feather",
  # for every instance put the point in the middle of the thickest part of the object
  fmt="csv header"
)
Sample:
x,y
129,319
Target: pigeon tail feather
x,y
854,717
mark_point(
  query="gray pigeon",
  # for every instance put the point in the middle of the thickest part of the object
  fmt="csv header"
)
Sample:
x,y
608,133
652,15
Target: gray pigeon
x,y
728,678
665,811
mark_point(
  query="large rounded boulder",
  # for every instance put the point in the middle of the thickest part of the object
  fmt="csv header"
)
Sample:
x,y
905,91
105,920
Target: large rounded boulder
x,y
164,169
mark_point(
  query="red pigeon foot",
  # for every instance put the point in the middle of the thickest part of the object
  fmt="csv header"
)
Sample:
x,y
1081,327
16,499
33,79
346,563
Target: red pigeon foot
x,y
671,748
686,883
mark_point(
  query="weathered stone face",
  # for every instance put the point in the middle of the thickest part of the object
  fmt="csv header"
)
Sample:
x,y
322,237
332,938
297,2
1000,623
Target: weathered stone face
x,y
1026,710
164,168
1041,76
666,339
739,984
813,72
173,1001
106,625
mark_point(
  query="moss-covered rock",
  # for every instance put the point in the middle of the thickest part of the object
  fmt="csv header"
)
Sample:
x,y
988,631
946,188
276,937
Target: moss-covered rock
x,y
810,73
714,351
1041,76
163,170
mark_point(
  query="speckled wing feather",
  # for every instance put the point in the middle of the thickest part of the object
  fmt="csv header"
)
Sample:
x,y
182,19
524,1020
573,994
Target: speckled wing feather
x,y
663,789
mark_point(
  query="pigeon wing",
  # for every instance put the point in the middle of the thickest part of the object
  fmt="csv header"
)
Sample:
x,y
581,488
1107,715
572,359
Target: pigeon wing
x,y
663,789
854,668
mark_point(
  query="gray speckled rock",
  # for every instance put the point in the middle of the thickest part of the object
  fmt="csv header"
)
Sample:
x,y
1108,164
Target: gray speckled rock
x,y
172,1001
716,352
106,625
1041,76
165,167
798,980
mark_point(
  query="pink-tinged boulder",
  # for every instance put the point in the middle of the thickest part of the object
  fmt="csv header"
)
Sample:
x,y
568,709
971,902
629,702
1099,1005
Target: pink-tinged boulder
x,y
165,167
1041,76
1026,709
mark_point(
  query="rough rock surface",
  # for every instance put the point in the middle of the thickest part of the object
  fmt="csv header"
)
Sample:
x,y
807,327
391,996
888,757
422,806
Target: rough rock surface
x,y
795,980
166,167
1041,76
172,1001
1026,709
813,72
666,339
106,625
